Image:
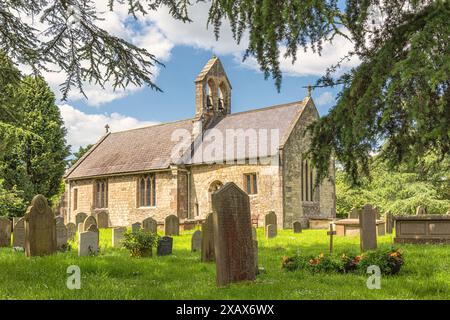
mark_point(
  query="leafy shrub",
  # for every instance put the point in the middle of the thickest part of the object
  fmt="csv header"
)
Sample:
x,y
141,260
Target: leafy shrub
x,y
140,243
389,260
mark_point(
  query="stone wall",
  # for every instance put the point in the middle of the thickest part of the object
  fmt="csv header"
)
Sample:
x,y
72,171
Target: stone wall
x,y
323,204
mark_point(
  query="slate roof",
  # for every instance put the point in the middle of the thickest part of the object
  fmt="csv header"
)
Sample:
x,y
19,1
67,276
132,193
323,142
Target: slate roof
x,y
150,148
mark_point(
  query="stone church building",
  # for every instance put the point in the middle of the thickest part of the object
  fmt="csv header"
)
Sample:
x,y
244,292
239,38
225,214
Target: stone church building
x,y
173,168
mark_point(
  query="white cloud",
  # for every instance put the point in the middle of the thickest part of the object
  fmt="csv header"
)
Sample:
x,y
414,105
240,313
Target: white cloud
x,y
84,129
324,99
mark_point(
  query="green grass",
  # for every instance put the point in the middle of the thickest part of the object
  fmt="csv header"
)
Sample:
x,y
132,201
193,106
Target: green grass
x,y
114,275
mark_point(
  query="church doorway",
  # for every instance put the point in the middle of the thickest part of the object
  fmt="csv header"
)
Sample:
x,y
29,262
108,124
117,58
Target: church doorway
x,y
214,186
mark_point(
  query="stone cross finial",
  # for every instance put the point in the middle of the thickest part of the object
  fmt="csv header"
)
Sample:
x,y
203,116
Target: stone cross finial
x,y
107,128
309,91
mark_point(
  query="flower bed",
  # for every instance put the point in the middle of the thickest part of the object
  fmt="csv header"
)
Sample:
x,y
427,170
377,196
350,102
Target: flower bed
x,y
389,260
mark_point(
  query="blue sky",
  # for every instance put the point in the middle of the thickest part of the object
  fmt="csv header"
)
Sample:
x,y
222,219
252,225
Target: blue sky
x,y
185,49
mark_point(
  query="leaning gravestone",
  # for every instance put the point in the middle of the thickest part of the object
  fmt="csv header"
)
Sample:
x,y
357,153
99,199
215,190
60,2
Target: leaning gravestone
x,y
164,246
172,226
118,236
389,222
297,226
19,233
5,232
421,210
80,217
208,239
61,233
271,231
88,243
71,230
102,220
368,228
88,222
40,228
196,241
135,227
270,218
150,225
234,251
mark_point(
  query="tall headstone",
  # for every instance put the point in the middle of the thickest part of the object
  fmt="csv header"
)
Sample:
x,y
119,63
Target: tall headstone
x,y
421,210
118,236
389,222
368,228
88,243
208,239
5,232
61,233
297,227
150,225
80,217
88,222
235,256
135,227
19,233
71,230
40,228
271,231
164,247
172,226
102,220
354,213
196,241
270,218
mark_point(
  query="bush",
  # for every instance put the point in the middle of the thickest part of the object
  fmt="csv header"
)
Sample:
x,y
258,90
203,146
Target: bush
x,y
389,260
140,243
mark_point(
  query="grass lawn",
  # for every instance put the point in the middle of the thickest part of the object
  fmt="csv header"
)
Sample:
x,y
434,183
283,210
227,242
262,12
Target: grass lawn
x,y
114,275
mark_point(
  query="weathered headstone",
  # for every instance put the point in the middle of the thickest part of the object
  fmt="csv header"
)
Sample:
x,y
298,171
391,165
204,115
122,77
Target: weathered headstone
x,y
102,220
270,218
377,213
150,225
354,213
389,222
135,227
19,233
254,235
234,251
172,226
88,222
88,243
61,233
165,244
196,241
297,226
80,228
271,231
71,230
5,232
368,228
421,210
208,239
80,217
14,221
118,236
40,228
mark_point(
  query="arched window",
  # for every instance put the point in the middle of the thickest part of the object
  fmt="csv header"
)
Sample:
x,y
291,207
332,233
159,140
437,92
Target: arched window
x,y
101,194
147,191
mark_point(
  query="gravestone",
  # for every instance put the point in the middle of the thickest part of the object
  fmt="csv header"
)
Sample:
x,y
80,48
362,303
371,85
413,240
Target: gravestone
x,y
377,213
88,222
118,236
40,228
208,239
165,244
389,222
150,225
5,232
368,228
80,228
61,233
353,214
80,217
102,220
71,230
297,226
88,243
196,241
172,226
270,218
14,221
271,231
254,236
234,252
19,233
135,227
421,210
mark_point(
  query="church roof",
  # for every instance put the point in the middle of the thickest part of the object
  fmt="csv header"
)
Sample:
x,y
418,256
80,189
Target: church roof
x,y
150,148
